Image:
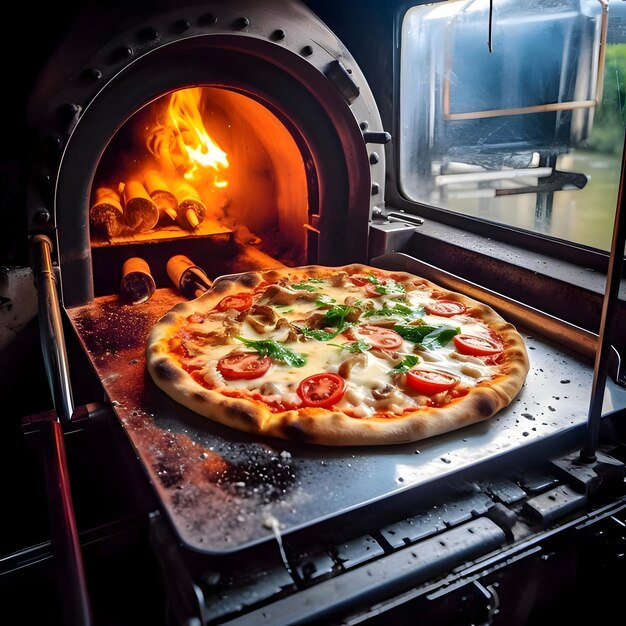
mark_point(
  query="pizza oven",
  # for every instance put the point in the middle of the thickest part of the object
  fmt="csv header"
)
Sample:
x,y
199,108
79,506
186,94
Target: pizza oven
x,y
256,117
171,145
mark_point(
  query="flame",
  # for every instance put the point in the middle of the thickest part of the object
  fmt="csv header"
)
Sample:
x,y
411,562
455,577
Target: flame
x,y
182,143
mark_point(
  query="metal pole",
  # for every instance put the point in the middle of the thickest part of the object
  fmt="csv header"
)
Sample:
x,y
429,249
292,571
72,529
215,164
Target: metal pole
x,y
609,308
51,329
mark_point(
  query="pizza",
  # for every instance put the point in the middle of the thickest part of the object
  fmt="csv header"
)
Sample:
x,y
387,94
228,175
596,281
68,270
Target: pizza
x,y
339,356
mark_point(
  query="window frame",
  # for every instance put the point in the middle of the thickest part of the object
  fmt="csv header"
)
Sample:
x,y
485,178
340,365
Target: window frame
x,y
484,230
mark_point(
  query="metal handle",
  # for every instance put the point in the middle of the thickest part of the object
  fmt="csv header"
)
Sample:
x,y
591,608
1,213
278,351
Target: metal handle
x,y
51,329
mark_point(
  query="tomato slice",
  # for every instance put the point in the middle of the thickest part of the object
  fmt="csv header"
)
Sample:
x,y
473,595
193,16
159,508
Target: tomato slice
x,y
430,382
261,287
445,308
243,365
239,302
359,281
476,346
322,390
370,290
378,337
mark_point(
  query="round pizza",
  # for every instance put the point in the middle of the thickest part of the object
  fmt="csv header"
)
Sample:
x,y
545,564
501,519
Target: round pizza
x,y
350,355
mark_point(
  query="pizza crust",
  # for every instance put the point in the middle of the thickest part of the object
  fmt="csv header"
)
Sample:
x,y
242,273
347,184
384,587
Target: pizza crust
x,y
323,426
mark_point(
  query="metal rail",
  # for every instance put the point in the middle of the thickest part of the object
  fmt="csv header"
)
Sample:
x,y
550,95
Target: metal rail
x,y
609,308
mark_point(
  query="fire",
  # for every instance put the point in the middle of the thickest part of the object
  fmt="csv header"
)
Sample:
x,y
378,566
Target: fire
x,y
182,144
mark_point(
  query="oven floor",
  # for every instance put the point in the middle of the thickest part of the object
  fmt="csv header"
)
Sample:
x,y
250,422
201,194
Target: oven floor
x,y
296,484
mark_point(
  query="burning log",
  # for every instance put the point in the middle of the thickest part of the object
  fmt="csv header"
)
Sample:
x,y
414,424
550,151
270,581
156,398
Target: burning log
x,y
161,195
137,283
188,278
140,212
191,209
106,216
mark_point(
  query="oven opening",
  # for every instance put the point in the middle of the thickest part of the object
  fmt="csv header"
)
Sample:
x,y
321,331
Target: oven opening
x,y
209,164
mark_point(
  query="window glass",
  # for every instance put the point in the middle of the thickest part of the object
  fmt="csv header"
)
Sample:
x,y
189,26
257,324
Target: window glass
x,y
516,116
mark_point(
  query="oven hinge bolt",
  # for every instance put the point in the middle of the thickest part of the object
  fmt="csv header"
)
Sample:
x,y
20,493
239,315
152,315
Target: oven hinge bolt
x,y
374,158
375,189
337,73
376,136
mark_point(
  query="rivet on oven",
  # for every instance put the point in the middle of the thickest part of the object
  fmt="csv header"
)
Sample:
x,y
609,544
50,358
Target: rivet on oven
x,y
45,182
147,34
42,216
375,189
69,112
54,143
374,158
91,74
180,26
119,54
363,125
307,51
207,19
241,22
278,34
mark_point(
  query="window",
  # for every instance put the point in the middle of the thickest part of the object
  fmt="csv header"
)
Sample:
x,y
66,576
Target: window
x,y
516,117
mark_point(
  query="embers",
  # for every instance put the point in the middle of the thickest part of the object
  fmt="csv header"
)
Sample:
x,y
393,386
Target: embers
x,y
200,162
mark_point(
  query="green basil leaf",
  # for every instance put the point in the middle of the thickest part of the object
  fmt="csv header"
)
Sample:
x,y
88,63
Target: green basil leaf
x,y
276,351
428,336
336,316
414,333
398,310
315,333
440,337
304,287
409,361
325,301
284,308
355,346
390,287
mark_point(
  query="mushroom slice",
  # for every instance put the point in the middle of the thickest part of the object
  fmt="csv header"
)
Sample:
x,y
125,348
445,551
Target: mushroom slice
x,y
278,294
382,392
262,318
355,360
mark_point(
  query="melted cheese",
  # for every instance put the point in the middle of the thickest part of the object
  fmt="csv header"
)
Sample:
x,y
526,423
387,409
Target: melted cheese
x,y
324,356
